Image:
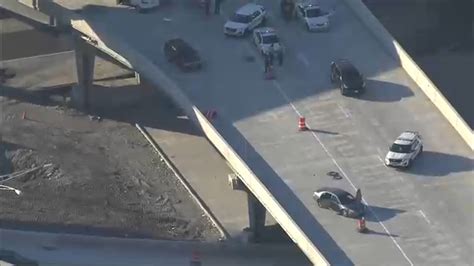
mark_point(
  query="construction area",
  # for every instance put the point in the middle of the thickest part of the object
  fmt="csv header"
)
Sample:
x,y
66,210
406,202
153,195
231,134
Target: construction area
x,y
66,171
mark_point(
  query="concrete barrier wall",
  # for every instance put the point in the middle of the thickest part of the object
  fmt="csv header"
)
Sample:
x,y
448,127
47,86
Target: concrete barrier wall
x,y
412,69
155,76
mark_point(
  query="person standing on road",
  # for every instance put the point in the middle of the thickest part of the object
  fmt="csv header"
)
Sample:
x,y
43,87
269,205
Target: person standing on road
x,y
217,6
267,62
279,53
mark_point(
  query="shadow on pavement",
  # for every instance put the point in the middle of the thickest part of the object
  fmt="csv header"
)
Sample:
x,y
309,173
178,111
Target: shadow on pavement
x,y
372,232
382,91
382,214
6,166
71,229
130,104
431,163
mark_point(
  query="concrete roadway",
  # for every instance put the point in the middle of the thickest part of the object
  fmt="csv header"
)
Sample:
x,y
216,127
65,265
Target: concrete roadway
x,y
422,216
75,250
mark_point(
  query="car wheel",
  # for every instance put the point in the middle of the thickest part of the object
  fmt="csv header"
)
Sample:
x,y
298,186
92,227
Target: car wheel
x,y
264,20
308,28
345,213
332,77
421,149
319,204
409,163
343,92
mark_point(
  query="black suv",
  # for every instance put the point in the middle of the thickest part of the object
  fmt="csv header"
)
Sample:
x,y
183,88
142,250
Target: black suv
x,y
182,54
348,78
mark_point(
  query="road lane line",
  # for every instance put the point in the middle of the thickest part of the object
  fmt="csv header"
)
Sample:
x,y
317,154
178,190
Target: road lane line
x,y
424,216
346,113
278,86
303,59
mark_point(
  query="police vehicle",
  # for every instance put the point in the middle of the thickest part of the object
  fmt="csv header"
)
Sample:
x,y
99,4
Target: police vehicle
x,y
267,40
312,16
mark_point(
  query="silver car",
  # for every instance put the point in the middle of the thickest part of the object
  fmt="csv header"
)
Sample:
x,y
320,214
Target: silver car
x,y
340,201
404,150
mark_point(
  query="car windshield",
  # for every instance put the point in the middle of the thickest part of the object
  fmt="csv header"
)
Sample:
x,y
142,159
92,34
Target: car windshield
x,y
398,148
241,18
314,12
346,199
270,39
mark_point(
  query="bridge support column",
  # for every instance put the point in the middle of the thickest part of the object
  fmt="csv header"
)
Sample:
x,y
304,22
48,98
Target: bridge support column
x,y
85,59
257,215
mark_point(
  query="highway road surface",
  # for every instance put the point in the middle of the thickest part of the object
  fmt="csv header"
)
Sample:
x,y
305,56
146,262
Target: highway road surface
x,y
422,216
75,250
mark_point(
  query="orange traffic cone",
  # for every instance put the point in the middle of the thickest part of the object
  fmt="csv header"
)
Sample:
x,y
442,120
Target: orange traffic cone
x,y
195,259
361,227
302,124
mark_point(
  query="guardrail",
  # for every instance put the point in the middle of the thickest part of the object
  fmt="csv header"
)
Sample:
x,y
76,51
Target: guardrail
x,y
412,69
155,76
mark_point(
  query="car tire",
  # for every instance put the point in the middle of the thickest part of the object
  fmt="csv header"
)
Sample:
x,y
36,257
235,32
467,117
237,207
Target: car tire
x,y
345,213
342,92
307,27
264,21
331,76
409,163
319,204
421,149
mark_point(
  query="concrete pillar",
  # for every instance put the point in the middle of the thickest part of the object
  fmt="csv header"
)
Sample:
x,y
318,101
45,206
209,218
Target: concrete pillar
x,y
257,215
85,59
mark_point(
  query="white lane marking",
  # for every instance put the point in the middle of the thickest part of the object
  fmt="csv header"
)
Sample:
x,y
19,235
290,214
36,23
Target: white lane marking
x,y
381,160
346,112
303,59
278,86
424,216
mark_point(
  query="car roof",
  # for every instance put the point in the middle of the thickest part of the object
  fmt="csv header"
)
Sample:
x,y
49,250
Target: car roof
x,y
406,137
336,191
306,4
265,31
248,9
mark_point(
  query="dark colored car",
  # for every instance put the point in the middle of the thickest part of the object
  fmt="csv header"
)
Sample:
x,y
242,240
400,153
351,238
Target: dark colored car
x,y
340,201
182,54
347,77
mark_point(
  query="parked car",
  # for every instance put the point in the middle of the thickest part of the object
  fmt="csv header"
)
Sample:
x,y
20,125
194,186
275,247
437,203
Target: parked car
x,y
313,17
245,19
140,5
182,54
340,201
404,149
266,40
347,77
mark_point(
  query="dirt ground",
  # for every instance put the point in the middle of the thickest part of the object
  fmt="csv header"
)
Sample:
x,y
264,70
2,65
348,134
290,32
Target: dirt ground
x,y
103,178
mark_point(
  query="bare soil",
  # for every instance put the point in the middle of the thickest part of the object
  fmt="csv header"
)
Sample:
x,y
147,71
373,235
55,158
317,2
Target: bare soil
x,y
104,177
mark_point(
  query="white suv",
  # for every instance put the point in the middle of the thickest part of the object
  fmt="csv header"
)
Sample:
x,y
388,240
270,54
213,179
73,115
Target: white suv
x,y
245,19
313,17
266,40
404,150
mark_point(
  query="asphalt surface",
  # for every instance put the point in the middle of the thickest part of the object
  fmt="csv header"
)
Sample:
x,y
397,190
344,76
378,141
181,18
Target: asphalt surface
x,y
73,250
422,216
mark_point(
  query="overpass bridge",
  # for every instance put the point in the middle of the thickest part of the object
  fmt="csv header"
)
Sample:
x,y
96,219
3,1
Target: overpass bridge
x,y
418,217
